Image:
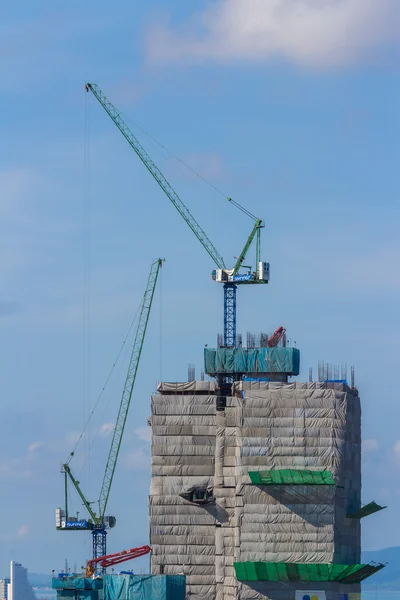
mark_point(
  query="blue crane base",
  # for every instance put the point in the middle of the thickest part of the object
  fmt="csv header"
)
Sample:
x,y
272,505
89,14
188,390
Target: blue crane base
x,y
229,315
99,544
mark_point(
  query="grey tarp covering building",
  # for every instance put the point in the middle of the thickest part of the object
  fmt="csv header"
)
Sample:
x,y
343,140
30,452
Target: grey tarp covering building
x,y
265,426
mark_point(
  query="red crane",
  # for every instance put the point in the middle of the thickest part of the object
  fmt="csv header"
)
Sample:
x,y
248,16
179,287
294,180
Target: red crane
x,y
275,337
114,559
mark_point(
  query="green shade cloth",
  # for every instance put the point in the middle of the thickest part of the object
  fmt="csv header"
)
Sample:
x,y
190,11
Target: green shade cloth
x,y
76,583
291,477
365,511
144,587
252,360
313,572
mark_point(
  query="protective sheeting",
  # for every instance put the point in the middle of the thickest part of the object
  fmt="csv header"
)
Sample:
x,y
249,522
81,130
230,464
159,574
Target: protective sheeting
x,y
365,511
252,571
77,594
76,583
266,426
253,360
144,587
186,386
291,477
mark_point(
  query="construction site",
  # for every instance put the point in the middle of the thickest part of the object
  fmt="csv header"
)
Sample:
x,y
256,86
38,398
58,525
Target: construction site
x,y
255,476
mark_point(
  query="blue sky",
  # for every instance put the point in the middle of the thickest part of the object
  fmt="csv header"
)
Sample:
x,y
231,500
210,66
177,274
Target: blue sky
x,y
290,108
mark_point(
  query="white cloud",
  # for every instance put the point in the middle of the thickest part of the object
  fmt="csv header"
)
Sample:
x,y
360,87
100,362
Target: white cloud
x,y
144,433
396,448
20,467
15,468
72,438
106,429
311,33
22,531
18,534
209,165
33,447
370,445
137,459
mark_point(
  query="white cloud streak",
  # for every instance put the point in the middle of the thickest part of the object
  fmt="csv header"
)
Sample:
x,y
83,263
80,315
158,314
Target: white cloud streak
x,y
137,460
33,447
370,445
396,448
106,429
22,531
309,33
20,467
144,433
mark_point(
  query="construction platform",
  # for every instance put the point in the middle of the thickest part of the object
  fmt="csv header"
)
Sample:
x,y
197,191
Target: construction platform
x,y
121,587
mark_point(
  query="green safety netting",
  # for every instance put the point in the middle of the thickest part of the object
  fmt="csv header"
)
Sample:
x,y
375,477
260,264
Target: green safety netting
x,y
291,477
78,594
76,583
252,360
144,587
365,511
260,571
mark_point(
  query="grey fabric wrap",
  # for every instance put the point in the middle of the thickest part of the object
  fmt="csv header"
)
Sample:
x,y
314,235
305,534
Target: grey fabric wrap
x,y
264,426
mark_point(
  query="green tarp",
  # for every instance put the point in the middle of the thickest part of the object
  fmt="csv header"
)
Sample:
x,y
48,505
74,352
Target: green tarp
x,y
260,571
144,587
252,360
78,594
76,583
291,477
365,511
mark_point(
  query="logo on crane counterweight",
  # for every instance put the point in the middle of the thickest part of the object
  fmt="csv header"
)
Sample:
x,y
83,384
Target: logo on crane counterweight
x,y
76,524
243,277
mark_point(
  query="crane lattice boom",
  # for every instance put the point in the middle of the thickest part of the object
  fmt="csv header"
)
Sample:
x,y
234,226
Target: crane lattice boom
x,y
98,523
128,387
158,176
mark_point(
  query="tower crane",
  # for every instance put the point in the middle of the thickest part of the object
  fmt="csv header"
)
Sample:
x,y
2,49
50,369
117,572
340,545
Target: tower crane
x,y
230,278
98,523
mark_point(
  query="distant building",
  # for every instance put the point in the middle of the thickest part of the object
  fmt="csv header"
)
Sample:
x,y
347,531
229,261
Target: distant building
x,y
4,588
19,587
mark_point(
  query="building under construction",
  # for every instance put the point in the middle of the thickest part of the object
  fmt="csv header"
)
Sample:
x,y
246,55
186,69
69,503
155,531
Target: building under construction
x,y
256,481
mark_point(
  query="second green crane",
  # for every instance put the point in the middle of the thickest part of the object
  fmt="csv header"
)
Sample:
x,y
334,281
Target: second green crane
x,y
98,523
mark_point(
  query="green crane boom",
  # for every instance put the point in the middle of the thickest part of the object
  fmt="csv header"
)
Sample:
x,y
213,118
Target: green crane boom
x,y
67,470
229,277
98,524
256,230
156,173
128,387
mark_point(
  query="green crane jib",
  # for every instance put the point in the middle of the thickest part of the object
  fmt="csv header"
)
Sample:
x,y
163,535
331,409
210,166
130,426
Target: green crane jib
x,y
98,523
229,277
156,173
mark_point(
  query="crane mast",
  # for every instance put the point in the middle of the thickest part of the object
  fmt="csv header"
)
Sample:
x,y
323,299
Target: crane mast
x,y
98,523
229,277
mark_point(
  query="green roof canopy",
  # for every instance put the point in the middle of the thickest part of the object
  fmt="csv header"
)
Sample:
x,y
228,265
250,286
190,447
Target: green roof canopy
x,y
365,511
291,477
260,571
